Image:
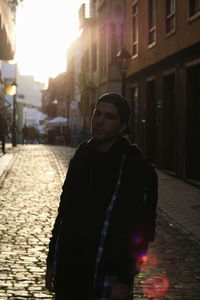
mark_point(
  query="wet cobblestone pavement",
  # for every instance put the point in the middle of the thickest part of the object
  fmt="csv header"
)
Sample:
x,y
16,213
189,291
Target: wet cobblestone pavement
x,y
29,197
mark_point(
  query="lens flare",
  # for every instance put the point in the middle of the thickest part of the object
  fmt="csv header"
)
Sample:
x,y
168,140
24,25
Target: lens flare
x,y
150,262
155,287
143,257
140,260
137,239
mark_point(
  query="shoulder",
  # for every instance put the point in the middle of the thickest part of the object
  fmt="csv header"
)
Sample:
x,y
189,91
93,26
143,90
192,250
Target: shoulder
x,y
84,150
132,152
136,162
84,146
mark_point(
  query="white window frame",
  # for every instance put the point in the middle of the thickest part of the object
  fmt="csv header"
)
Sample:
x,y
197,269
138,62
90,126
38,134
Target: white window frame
x,y
103,51
134,43
170,16
152,29
196,14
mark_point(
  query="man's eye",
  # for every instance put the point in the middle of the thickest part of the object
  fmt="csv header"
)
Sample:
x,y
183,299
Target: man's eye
x,y
110,116
97,113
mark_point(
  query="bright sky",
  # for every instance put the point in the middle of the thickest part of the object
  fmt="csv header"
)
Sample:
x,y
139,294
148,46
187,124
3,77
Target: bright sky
x,y
44,30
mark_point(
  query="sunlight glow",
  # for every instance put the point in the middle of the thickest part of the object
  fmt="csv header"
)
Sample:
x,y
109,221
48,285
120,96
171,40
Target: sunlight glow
x,y
10,90
44,31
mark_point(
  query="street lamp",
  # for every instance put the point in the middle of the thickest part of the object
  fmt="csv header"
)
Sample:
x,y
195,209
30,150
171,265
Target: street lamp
x,y
11,90
68,137
123,59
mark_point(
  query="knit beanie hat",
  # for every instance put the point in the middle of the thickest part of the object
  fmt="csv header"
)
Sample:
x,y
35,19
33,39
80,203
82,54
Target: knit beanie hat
x,y
121,104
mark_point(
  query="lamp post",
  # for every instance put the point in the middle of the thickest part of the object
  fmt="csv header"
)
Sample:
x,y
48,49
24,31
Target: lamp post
x,y
14,137
68,133
11,90
123,59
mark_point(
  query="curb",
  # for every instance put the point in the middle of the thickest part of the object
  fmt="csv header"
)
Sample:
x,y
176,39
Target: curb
x,y
5,166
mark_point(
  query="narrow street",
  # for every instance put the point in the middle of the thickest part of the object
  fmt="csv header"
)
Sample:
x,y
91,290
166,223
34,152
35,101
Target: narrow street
x,y
30,187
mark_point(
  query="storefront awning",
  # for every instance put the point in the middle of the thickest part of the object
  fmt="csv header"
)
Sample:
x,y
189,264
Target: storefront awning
x,y
56,122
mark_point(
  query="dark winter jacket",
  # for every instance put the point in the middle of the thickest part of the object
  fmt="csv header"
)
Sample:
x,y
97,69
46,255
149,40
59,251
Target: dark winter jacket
x,y
87,191
3,127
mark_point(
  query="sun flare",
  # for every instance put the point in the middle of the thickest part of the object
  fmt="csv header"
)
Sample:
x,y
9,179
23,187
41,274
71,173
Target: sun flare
x,y
44,31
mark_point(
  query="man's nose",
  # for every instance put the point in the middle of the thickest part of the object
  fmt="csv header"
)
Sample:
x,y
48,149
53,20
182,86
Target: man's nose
x,y
100,119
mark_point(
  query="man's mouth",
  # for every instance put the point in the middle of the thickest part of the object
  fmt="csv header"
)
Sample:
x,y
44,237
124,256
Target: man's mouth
x,y
98,131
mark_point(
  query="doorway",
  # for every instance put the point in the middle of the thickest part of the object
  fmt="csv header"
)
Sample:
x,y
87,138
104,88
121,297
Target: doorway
x,y
193,123
169,122
150,148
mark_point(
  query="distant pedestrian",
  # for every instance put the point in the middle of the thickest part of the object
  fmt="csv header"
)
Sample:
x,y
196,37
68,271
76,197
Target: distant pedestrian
x,y
3,131
107,212
25,134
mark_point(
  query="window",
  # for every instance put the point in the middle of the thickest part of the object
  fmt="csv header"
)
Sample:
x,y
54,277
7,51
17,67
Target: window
x,y
113,42
170,15
94,57
135,119
118,10
135,29
152,22
102,52
194,7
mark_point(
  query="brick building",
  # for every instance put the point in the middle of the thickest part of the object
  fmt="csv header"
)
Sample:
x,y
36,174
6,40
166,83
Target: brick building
x,y
164,82
163,78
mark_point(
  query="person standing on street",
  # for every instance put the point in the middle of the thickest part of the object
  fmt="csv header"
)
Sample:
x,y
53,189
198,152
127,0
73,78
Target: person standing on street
x,y
25,134
3,131
107,212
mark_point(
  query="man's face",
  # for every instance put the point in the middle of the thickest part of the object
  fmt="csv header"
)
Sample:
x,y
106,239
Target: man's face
x,y
106,124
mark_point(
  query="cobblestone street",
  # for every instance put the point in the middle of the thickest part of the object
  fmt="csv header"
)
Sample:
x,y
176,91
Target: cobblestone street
x,y
29,197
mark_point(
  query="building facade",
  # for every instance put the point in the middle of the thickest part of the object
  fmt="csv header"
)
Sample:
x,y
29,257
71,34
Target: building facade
x,y
101,38
58,101
7,24
7,40
164,82
163,78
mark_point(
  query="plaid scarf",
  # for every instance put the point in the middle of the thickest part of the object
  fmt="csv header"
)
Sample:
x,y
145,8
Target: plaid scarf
x,y
103,284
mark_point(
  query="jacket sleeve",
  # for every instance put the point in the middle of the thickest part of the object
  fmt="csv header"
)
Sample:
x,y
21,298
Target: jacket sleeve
x,y
141,231
57,224
63,204
53,239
